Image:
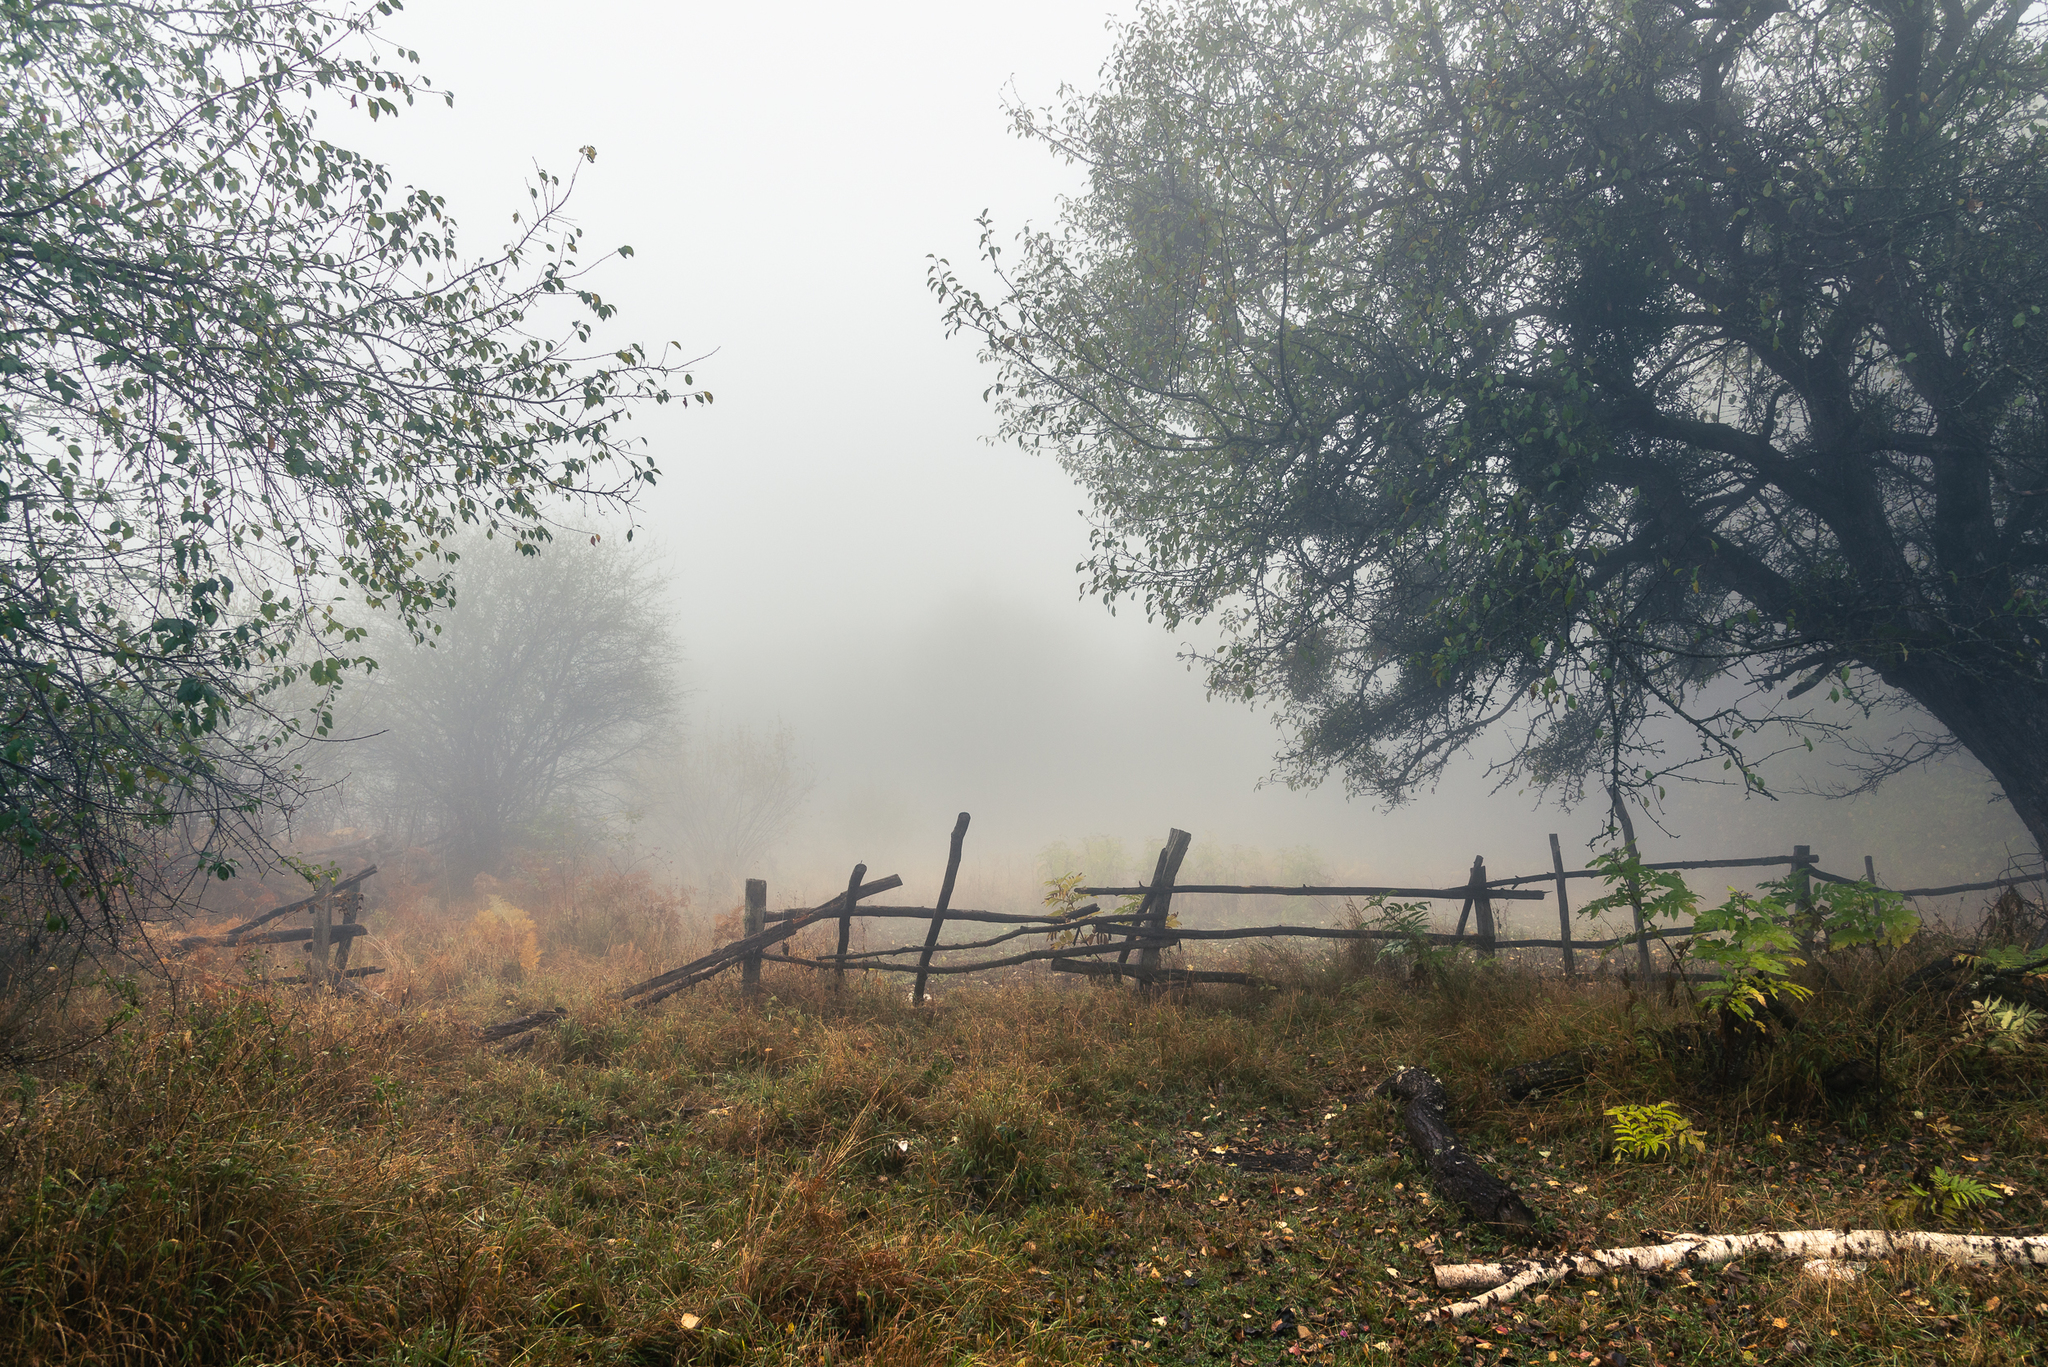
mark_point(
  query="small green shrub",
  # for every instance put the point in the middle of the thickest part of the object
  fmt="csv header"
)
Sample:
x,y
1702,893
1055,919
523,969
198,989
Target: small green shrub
x,y
1997,1026
1751,938
1949,1198
1654,1131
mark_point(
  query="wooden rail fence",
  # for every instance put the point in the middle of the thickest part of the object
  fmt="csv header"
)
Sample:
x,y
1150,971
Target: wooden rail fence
x,y
333,908
1145,929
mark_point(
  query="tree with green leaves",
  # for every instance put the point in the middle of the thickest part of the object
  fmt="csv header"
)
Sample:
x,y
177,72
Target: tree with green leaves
x,y
249,388
1563,368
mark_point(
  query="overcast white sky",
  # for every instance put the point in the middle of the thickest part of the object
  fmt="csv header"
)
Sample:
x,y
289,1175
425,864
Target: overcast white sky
x,y
850,557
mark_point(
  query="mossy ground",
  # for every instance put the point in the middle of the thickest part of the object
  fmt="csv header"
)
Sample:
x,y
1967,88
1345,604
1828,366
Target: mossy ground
x,y
1037,1171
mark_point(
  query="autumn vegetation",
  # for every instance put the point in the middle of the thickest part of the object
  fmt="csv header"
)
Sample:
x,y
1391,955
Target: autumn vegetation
x,y
1027,1170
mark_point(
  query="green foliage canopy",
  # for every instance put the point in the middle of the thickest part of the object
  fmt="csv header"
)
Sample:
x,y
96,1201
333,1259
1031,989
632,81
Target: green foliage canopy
x,y
245,382
1562,365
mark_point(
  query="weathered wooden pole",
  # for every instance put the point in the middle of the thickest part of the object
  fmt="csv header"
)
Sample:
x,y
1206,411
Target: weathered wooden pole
x,y
753,922
1802,894
351,902
1144,909
1564,910
860,871
1483,904
931,936
1635,888
1177,842
323,931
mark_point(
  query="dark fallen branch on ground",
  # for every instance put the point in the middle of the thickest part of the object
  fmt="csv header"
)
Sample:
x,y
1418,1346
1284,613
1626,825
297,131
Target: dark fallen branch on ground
x,y
302,979
1457,1175
519,1025
1954,974
1543,1076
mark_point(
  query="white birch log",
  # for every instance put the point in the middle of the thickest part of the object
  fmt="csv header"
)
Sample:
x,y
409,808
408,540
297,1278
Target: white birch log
x,y
1509,1280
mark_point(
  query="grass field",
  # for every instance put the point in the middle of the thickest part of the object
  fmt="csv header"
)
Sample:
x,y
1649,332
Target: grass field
x,y
1037,1171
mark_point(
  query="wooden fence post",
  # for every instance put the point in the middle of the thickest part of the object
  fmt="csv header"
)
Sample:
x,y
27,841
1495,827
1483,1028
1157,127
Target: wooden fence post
x,y
1144,906
1635,889
1564,910
860,871
1802,892
1483,904
931,936
1177,842
753,922
323,927
351,903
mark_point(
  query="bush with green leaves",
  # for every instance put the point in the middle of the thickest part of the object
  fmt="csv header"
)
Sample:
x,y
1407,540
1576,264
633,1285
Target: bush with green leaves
x,y
1943,1197
1653,1131
1401,936
1997,1026
1756,939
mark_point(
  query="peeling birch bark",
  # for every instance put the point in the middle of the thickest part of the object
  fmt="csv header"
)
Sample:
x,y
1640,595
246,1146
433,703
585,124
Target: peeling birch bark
x,y
1509,1280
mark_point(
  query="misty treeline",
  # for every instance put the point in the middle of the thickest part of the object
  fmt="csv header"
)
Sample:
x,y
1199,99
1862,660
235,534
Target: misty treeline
x,y
546,716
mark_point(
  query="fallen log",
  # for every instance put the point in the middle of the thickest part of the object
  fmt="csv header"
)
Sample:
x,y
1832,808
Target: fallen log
x,y
1510,1279
346,974
1456,1174
1528,1081
519,1025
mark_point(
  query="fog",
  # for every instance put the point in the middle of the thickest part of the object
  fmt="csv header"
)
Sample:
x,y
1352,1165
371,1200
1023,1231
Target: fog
x,y
848,557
